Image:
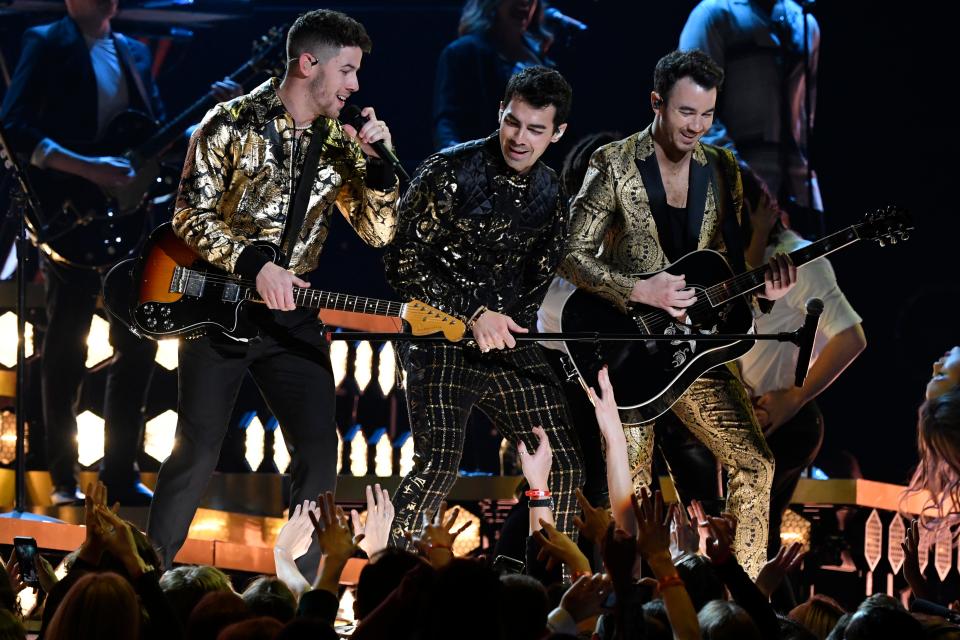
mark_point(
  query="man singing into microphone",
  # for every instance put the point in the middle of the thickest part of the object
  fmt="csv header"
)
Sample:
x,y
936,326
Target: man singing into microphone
x,y
482,229
238,186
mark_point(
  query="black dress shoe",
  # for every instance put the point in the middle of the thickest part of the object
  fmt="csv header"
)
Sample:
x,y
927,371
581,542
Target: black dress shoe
x,y
66,497
137,495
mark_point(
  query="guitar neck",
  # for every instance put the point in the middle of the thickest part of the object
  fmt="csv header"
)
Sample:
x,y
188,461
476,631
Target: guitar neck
x,y
754,279
174,128
317,299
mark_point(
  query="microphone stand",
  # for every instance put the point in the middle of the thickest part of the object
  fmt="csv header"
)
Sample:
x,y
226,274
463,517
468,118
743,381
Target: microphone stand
x,y
22,200
794,337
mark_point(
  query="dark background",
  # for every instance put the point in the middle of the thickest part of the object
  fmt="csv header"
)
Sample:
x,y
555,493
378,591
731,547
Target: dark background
x,y
884,134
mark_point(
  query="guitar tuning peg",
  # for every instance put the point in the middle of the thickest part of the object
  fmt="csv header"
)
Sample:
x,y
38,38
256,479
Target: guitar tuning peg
x,y
881,242
893,239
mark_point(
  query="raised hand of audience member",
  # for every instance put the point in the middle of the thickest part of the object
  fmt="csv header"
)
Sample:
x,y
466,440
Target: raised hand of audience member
x,y
558,547
776,569
296,534
437,537
96,497
619,482
911,562
585,597
337,542
684,535
720,540
376,529
653,545
653,528
45,574
619,555
536,471
115,535
595,522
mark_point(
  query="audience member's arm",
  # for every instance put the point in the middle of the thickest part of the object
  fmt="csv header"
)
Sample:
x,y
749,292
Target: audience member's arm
x,y
618,468
772,574
536,471
653,545
619,555
684,535
595,522
337,543
376,530
742,589
560,548
292,542
116,536
911,563
436,541
583,600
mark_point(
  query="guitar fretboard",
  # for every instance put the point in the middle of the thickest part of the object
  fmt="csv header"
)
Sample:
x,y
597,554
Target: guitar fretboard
x,y
754,279
206,284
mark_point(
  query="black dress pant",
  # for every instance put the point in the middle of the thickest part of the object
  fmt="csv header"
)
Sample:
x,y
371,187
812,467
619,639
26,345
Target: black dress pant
x,y
290,364
71,299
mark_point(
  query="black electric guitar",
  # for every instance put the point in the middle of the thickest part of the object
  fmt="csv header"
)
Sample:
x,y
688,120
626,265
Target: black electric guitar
x,y
650,376
169,291
86,225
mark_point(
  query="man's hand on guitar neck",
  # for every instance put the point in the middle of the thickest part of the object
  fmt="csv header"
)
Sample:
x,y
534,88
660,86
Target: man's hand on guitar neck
x,y
664,291
780,277
275,286
492,331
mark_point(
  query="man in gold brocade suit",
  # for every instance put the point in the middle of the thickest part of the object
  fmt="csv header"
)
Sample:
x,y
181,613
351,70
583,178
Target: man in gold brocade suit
x,y
646,201
241,175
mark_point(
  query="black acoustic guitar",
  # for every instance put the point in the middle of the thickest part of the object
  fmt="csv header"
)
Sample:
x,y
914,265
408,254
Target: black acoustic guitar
x,y
89,226
649,376
169,291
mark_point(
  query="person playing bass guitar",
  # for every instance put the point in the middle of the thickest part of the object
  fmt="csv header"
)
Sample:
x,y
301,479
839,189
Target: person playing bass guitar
x,y
73,77
646,201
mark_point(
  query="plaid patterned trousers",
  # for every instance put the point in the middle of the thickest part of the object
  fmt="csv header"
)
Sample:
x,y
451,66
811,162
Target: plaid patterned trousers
x,y
516,388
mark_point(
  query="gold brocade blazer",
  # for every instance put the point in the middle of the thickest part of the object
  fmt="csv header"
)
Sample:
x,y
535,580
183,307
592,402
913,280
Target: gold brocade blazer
x,y
236,183
613,235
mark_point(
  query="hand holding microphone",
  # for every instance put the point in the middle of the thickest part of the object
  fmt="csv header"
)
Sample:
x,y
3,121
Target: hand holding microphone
x,y
372,134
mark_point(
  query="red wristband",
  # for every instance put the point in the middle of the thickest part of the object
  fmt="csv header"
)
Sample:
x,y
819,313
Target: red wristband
x,y
670,581
537,493
440,545
576,575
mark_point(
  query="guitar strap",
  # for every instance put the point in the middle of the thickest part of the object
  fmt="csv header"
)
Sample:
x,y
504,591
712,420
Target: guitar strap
x,y
729,227
120,42
298,203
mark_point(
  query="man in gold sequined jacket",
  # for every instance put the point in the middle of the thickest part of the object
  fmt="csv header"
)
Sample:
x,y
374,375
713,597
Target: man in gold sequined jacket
x,y
241,173
481,232
646,201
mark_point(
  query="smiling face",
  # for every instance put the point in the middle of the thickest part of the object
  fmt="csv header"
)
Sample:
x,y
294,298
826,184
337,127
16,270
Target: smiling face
x,y
526,132
334,80
684,115
946,374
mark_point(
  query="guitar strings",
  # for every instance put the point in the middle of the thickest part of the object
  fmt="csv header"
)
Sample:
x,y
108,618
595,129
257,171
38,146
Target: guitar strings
x,y
393,307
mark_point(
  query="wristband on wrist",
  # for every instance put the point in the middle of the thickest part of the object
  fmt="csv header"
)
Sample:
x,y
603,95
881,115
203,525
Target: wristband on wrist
x,y
542,502
537,494
670,581
576,575
440,545
476,316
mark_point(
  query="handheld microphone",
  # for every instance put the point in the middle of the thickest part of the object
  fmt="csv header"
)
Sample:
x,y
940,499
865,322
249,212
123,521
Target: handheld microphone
x,y
805,336
932,608
563,20
350,114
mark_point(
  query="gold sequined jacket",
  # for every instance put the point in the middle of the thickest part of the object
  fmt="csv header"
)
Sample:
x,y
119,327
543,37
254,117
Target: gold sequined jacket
x,y
473,232
236,185
613,234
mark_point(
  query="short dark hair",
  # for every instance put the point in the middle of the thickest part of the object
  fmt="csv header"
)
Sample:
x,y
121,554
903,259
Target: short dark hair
x,y
541,87
323,28
693,64
578,159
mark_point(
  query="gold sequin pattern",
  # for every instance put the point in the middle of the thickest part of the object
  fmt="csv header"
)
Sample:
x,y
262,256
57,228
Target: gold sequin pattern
x,y
236,184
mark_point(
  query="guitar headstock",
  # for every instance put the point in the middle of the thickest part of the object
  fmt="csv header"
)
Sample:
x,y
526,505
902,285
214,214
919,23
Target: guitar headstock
x,y
270,52
889,225
425,320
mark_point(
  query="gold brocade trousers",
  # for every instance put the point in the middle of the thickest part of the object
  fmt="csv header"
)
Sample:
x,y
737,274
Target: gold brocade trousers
x,y
718,412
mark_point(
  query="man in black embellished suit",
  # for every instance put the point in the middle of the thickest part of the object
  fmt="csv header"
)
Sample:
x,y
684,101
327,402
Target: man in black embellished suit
x,y
481,232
